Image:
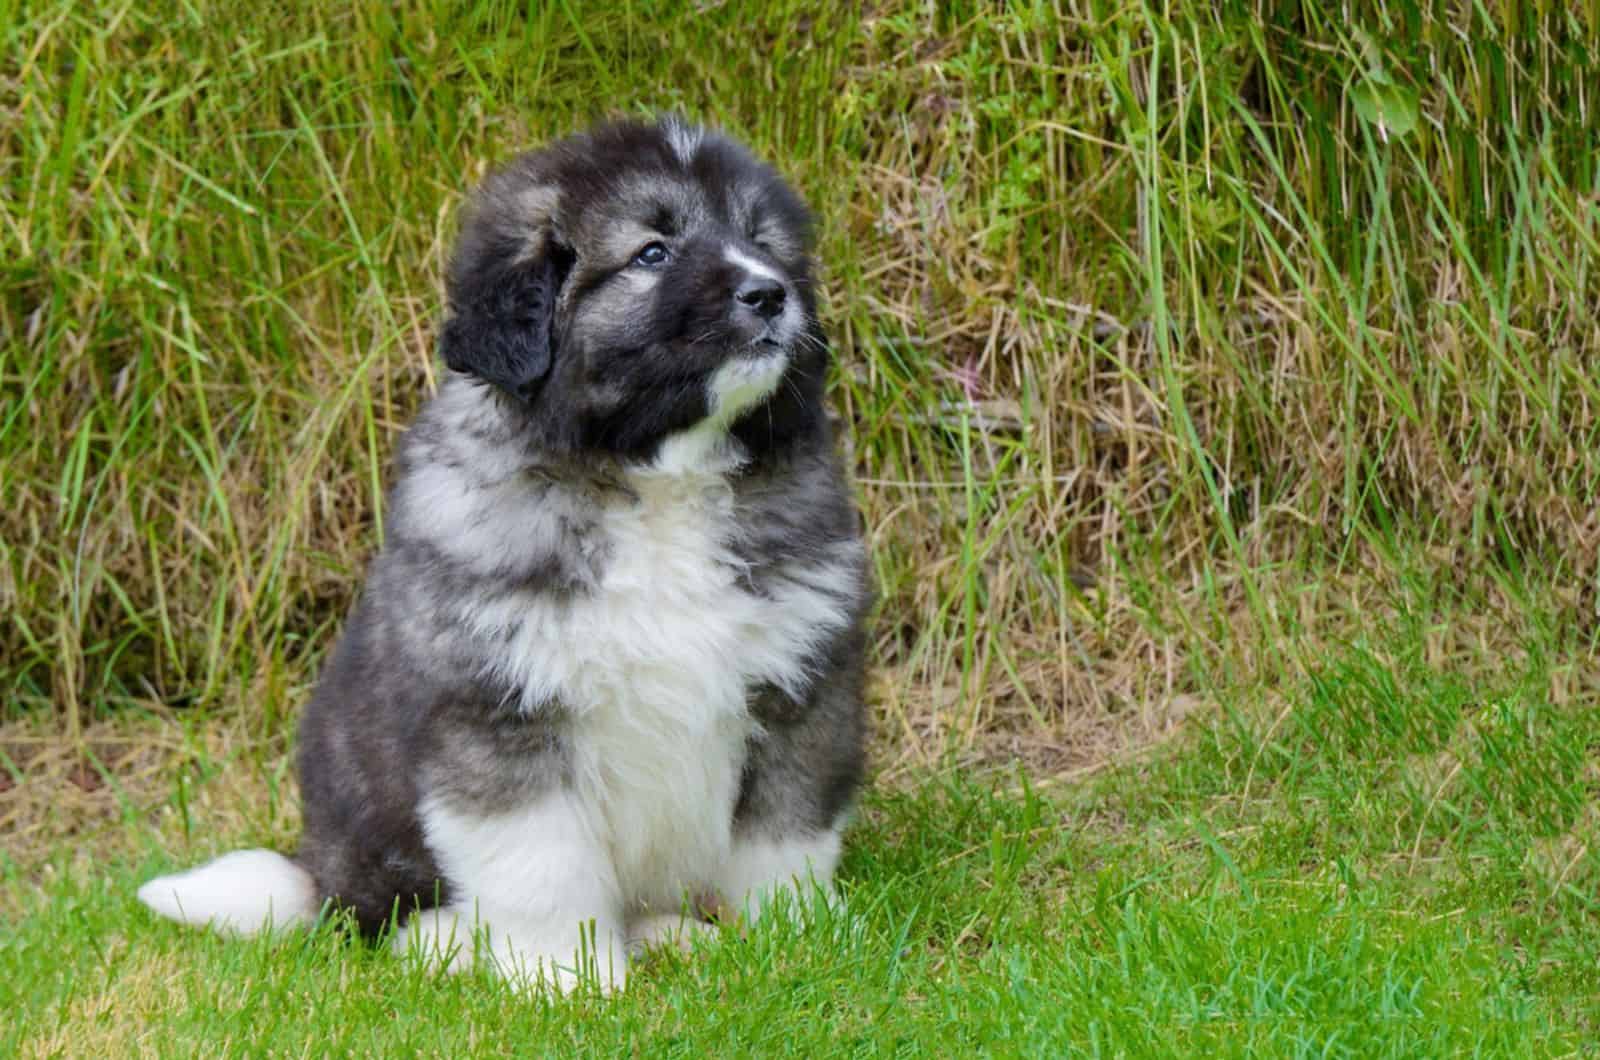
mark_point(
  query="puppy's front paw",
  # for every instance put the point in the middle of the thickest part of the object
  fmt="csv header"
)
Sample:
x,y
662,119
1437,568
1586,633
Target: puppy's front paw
x,y
528,956
665,931
441,937
763,874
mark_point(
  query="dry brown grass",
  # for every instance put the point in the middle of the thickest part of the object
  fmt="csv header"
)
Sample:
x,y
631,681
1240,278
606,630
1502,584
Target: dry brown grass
x,y
183,786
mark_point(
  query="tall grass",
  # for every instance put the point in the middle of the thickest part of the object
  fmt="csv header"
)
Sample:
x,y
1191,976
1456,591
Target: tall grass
x,y
1169,336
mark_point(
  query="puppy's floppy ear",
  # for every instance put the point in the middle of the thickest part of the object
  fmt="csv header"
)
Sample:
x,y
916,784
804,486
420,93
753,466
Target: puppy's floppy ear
x,y
504,280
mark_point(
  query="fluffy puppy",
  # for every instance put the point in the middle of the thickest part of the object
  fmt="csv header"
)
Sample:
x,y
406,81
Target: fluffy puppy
x,y
609,659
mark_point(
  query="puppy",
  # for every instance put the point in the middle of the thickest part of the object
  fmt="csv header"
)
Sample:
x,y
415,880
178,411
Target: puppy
x,y
609,660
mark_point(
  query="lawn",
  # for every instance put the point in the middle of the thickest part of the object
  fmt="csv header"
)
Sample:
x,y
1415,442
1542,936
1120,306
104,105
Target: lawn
x,y
1223,386
1390,862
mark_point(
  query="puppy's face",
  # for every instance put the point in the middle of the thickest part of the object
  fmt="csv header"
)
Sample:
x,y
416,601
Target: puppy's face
x,y
636,282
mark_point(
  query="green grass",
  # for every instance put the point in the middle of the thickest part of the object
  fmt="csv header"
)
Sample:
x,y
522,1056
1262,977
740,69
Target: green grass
x,y
1217,371
1393,864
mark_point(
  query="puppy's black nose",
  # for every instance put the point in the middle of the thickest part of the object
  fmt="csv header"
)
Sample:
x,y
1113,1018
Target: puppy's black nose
x,y
761,296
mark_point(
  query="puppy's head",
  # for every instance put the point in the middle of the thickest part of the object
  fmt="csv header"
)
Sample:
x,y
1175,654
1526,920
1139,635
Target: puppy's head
x,y
637,282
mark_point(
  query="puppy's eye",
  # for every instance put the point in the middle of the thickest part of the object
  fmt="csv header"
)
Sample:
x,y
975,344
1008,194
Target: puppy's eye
x,y
655,253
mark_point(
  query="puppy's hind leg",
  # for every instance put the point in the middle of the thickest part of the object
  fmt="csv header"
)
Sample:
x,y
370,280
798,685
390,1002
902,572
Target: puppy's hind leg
x,y
242,893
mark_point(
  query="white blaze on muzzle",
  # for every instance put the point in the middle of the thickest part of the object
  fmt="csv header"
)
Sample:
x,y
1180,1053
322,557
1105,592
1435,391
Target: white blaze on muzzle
x,y
754,266
786,326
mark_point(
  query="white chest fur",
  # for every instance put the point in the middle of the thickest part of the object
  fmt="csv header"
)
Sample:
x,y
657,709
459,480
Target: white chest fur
x,y
654,668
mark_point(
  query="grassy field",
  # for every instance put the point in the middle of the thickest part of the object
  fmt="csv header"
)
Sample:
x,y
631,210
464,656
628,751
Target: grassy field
x,y
1223,383
1393,862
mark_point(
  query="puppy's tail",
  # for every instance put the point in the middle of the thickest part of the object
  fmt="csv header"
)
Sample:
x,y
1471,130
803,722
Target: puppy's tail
x,y
242,893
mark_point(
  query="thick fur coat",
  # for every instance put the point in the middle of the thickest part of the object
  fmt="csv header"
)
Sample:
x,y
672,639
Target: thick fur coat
x,y
608,665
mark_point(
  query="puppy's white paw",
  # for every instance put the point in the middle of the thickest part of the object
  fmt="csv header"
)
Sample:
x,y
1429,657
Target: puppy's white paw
x,y
531,960
759,871
665,931
528,956
441,937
